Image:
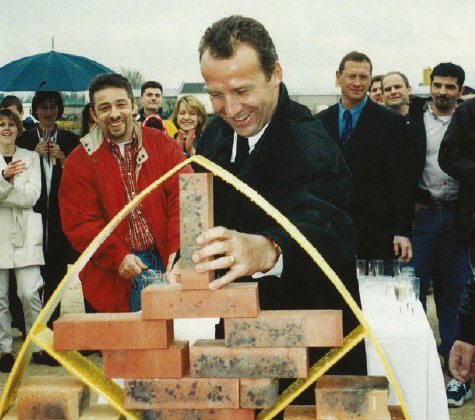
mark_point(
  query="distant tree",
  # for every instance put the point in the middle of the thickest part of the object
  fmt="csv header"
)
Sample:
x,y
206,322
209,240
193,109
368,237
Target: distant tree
x,y
135,77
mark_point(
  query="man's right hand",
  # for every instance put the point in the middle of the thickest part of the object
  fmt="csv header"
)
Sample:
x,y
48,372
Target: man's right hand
x,y
131,267
462,361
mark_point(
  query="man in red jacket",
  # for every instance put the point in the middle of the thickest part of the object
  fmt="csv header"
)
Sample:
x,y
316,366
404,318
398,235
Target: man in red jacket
x,y
114,163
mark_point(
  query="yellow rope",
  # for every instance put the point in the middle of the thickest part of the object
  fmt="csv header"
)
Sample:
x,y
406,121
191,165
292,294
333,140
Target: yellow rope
x,y
21,364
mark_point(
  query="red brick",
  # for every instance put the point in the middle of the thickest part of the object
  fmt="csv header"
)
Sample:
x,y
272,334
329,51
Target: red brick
x,y
185,393
106,332
199,414
286,329
101,412
259,392
52,397
396,412
212,359
169,301
300,412
196,216
173,362
352,398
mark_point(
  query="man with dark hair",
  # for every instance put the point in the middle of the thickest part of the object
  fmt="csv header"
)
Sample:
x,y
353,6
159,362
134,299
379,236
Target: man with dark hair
x,y
377,151
54,145
151,97
14,103
396,91
441,231
115,162
275,146
375,90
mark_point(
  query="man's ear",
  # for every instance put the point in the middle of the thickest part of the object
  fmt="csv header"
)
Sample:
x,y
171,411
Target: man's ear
x,y
409,90
93,114
338,75
277,75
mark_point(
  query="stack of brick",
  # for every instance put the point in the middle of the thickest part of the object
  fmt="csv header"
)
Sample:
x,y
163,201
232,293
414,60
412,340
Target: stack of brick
x,y
59,398
213,379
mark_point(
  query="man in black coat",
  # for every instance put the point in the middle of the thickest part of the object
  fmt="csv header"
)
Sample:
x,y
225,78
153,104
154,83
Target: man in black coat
x,y
377,151
47,107
291,161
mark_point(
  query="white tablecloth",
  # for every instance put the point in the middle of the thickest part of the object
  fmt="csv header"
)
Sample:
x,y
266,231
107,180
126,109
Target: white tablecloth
x,y
410,347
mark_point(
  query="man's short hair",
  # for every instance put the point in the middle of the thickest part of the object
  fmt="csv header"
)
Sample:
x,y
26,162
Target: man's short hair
x,y
42,96
404,78
355,56
109,80
8,113
449,70
223,38
150,84
11,100
375,79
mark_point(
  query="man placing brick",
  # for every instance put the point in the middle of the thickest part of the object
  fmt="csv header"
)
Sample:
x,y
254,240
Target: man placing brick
x,y
273,145
114,163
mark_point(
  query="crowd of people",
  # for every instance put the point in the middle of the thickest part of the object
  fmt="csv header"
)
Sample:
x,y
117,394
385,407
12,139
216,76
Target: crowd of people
x,y
380,175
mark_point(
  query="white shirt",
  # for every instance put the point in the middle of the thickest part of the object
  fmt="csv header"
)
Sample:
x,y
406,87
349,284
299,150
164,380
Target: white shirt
x,y
440,185
278,268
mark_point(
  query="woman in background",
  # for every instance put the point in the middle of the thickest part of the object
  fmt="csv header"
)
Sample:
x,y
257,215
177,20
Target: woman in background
x,y
189,116
22,235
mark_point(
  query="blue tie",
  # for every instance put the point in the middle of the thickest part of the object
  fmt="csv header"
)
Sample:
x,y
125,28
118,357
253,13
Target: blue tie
x,y
348,129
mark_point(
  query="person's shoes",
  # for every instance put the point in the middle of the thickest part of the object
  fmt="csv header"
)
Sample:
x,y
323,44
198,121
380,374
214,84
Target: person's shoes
x,y
43,358
6,362
457,393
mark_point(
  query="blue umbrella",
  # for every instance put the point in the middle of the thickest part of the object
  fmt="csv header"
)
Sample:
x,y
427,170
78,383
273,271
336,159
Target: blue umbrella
x,y
50,71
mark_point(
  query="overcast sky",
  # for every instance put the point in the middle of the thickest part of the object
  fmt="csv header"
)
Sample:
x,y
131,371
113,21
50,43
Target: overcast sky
x,y
160,38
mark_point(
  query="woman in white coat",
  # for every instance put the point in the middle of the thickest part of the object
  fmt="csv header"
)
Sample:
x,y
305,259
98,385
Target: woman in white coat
x,y
21,231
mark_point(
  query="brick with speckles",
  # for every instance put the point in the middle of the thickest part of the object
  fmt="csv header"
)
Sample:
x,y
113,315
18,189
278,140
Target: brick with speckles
x,y
211,414
300,412
185,393
259,392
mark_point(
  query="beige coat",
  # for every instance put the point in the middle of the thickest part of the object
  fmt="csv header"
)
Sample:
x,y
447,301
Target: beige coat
x,y
21,229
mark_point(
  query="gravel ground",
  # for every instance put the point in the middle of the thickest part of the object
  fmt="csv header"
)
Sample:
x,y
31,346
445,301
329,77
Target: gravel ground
x,y
73,303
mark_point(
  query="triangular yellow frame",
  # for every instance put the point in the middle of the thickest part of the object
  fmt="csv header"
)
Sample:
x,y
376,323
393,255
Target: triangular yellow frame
x,y
80,367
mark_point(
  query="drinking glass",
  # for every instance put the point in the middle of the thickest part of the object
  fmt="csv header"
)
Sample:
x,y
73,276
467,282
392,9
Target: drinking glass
x,y
360,267
149,277
377,267
411,271
398,265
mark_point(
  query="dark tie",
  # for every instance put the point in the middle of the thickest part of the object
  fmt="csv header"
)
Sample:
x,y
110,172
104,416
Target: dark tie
x,y
348,129
242,150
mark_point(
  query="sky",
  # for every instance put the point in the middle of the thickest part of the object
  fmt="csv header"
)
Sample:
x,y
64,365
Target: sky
x,y
160,38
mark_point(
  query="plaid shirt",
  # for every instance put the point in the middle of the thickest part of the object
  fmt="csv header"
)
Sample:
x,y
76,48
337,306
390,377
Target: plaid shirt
x,y
138,237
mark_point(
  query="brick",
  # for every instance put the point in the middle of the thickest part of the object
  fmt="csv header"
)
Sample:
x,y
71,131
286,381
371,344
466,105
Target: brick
x,y
52,397
169,301
101,412
150,363
196,216
396,412
352,398
106,332
199,414
286,329
259,393
300,412
212,359
185,393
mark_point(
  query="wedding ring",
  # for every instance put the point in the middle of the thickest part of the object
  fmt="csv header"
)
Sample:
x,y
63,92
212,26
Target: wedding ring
x,y
232,260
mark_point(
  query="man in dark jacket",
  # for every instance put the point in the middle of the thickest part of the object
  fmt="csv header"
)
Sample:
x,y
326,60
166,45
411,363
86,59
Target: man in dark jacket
x,y
290,160
377,151
457,158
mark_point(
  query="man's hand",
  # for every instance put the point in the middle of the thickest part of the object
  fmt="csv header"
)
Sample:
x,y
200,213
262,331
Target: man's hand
x,y
420,206
406,248
242,253
42,147
131,266
462,361
173,276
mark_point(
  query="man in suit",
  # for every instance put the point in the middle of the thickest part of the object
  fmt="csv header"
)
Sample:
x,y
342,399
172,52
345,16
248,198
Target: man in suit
x,y
376,149
275,146
54,145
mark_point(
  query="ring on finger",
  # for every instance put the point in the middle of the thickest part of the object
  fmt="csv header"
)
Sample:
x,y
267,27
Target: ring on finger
x,y
232,260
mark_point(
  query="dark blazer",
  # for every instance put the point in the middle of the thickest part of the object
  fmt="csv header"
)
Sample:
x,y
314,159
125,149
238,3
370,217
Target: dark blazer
x,y
49,207
380,159
298,169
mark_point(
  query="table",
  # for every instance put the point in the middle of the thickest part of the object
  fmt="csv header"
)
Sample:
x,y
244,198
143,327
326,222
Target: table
x,y
410,347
